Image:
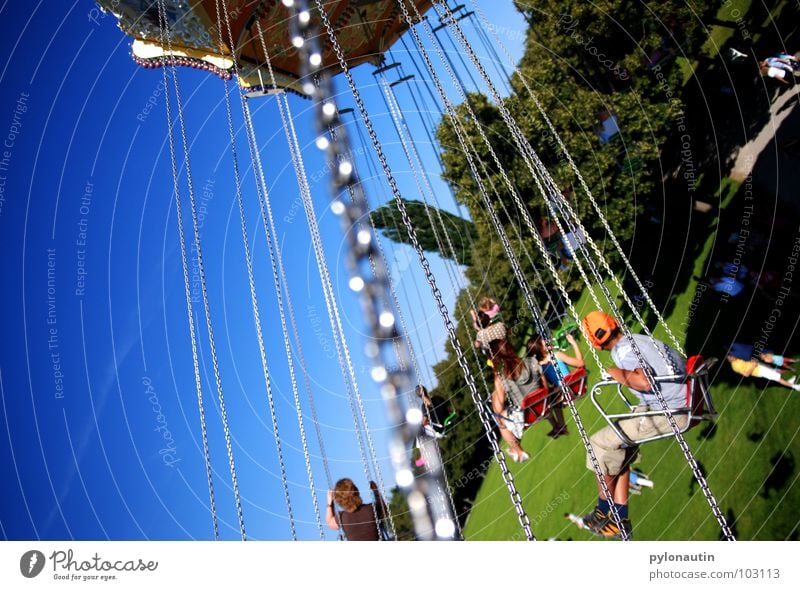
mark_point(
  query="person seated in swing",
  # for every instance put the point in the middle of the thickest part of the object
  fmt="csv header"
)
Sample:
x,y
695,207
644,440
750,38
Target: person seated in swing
x,y
360,521
538,349
514,378
487,323
435,411
614,458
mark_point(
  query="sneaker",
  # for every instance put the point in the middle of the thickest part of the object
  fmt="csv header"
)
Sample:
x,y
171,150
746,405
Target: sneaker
x,y
796,387
595,520
618,531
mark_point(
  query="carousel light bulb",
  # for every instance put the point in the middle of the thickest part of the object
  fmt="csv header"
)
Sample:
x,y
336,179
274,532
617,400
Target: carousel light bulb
x,y
308,88
371,349
386,319
364,237
378,374
322,142
445,528
405,478
329,109
345,168
304,17
315,59
414,416
298,41
288,3
356,284
337,207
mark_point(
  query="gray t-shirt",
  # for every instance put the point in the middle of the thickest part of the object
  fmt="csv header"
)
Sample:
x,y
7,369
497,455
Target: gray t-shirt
x,y
529,380
624,357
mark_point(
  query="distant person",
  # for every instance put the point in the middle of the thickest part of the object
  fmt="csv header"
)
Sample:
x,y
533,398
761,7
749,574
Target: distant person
x,y
608,127
781,68
753,368
358,520
565,363
614,458
743,351
435,411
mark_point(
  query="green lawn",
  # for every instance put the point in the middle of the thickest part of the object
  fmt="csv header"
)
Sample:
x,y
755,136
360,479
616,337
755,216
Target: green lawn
x,y
748,459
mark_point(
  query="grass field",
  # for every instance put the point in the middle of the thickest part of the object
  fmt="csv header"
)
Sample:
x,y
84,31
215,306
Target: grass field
x,y
748,457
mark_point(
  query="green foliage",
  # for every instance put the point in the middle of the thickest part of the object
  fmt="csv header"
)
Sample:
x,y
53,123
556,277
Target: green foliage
x,y
460,231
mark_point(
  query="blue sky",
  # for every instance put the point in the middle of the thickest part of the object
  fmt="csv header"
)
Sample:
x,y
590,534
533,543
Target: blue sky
x,y
101,438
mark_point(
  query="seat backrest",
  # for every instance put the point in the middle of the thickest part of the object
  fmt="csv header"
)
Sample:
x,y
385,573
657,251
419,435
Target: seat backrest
x,y
536,405
576,381
694,389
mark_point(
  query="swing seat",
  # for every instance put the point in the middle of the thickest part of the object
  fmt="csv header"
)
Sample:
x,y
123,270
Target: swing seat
x,y
576,381
698,403
537,404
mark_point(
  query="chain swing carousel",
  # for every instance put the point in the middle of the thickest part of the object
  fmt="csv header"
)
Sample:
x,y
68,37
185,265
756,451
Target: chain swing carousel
x,y
281,47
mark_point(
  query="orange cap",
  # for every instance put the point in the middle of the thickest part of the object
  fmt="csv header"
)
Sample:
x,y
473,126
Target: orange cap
x,y
599,327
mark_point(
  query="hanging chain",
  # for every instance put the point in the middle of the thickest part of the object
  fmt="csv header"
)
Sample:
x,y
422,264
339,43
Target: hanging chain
x,y
263,195
249,263
654,386
185,265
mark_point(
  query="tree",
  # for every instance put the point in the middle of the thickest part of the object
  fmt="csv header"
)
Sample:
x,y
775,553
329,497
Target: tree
x,y
460,231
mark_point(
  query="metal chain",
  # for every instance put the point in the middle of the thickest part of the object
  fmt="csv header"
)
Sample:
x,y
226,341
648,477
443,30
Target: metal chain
x,y
206,305
249,264
272,241
185,265
412,156
516,132
439,522
468,149
263,196
516,498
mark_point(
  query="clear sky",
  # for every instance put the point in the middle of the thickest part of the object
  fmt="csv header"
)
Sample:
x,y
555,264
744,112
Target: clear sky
x,y
100,429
